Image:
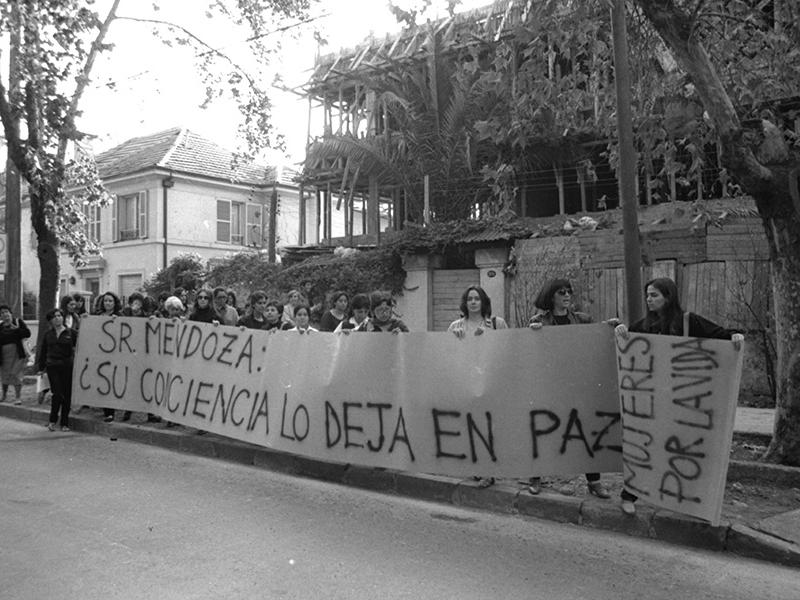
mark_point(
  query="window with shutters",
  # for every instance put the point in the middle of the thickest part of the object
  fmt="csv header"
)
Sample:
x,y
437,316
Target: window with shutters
x,y
255,224
92,224
130,217
230,222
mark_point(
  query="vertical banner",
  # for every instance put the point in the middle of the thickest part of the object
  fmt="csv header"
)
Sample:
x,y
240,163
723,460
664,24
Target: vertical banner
x,y
678,403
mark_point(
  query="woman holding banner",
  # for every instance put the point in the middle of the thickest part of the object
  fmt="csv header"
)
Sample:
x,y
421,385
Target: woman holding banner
x,y
666,317
554,302
476,314
108,305
476,318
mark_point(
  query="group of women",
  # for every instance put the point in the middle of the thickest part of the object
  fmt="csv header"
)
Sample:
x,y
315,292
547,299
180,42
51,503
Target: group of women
x,y
554,304
361,313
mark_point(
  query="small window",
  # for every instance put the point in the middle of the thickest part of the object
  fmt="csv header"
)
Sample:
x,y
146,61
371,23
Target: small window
x,y
130,214
230,222
92,225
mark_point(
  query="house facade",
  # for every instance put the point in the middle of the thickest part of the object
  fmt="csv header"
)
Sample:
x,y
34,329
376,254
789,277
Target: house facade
x,y
174,192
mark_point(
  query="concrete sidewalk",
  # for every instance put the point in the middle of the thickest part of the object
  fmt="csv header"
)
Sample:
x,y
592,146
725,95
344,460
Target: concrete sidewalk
x,y
776,539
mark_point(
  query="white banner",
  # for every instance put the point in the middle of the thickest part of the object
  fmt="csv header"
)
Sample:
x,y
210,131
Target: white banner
x,y
678,400
509,403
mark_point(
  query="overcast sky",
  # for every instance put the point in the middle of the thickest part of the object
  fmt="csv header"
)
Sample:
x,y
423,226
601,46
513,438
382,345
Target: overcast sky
x,y
157,87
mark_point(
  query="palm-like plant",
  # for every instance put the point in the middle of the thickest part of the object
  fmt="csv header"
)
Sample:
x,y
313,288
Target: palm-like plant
x,y
432,105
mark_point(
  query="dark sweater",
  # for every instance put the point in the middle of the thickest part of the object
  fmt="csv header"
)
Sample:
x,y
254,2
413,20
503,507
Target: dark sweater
x,y
329,322
206,315
251,323
14,335
699,327
57,351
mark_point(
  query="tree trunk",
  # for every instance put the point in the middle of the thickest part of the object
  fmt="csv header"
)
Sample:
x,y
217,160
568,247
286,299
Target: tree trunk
x,y
770,186
47,251
783,231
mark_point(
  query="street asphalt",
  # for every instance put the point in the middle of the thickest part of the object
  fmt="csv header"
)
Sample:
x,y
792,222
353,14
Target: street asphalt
x,y
87,518
777,541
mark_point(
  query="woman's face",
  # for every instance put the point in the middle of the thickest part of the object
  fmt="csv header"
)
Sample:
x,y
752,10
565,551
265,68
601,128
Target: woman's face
x,y
562,299
656,302
301,318
57,320
136,306
341,303
108,303
383,312
474,302
5,315
173,311
72,306
231,300
259,306
271,314
294,298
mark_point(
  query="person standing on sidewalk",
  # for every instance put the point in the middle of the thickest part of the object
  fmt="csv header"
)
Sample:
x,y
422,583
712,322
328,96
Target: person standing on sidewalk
x,y
476,318
13,356
56,356
666,317
109,306
554,302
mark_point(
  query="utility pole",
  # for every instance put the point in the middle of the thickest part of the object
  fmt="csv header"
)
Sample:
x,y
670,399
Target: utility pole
x,y
13,275
627,167
273,219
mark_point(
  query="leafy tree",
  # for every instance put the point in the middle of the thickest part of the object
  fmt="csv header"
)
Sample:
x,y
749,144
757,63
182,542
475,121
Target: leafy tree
x,y
186,271
743,60
430,106
56,44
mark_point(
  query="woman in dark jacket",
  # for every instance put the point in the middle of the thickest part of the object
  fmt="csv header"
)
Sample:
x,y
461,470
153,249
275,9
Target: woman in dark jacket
x,y
12,352
555,305
56,356
203,310
666,317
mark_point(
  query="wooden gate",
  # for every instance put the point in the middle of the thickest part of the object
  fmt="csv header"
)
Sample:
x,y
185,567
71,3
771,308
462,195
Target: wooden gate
x,y
447,289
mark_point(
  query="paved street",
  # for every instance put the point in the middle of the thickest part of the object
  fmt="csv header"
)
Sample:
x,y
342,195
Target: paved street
x,y
85,517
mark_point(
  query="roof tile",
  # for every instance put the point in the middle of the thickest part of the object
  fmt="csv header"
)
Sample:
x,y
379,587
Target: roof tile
x,y
181,151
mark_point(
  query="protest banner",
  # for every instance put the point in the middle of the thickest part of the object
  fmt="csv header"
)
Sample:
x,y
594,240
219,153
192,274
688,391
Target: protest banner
x,y
678,402
508,403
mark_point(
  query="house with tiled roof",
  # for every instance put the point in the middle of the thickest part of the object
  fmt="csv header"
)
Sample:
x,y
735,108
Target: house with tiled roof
x,y
175,192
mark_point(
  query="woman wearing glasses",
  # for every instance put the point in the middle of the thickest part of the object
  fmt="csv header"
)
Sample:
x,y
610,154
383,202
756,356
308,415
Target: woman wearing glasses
x,y
203,310
555,308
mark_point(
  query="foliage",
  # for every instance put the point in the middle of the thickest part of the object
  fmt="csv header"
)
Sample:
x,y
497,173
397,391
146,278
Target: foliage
x,y
362,272
54,46
244,273
354,271
186,271
743,61
431,107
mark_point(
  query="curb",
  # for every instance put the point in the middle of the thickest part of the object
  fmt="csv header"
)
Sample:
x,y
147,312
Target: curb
x,y
649,522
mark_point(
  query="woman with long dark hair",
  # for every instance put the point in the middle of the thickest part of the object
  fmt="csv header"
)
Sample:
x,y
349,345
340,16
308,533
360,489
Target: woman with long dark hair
x,y
109,305
203,310
665,316
476,314
476,318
